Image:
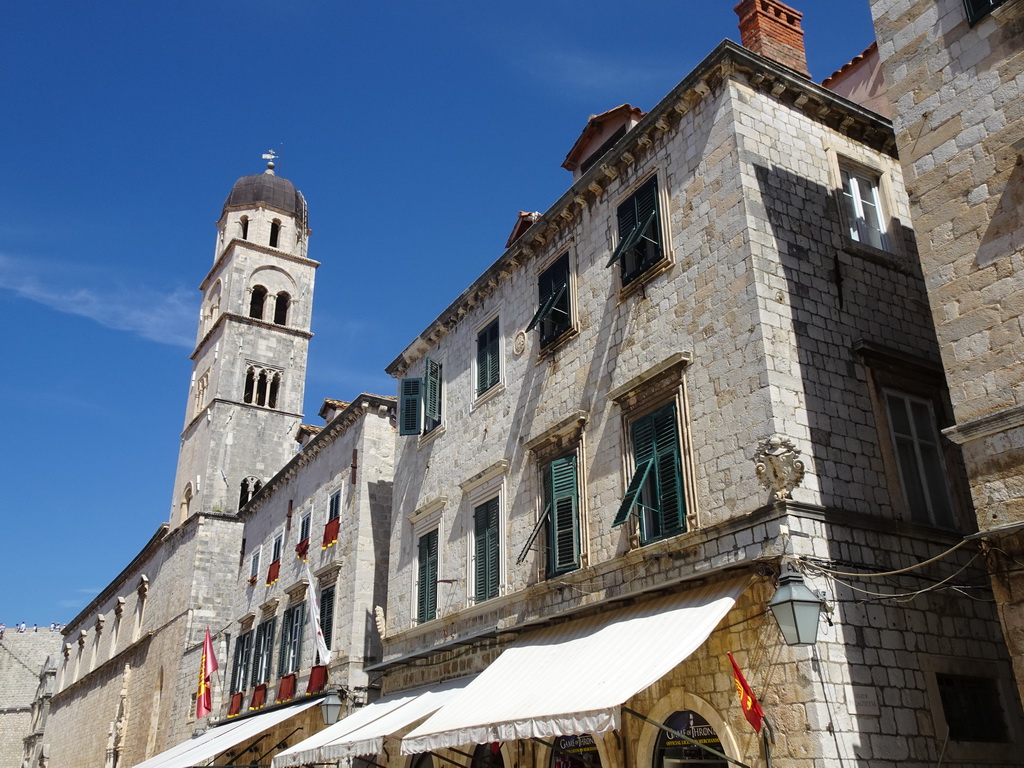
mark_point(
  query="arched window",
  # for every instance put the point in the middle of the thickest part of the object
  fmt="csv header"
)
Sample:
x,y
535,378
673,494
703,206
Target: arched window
x,y
281,308
250,384
670,752
250,487
275,232
261,388
186,503
275,386
244,224
259,297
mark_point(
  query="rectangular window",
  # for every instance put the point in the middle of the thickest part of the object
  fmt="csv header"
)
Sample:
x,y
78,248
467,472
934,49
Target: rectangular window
x,y
263,651
488,360
978,9
278,543
561,503
919,456
655,491
863,208
972,708
293,624
420,401
639,245
327,615
486,566
254,564
304,526
426,581
240,667
334,508
554,317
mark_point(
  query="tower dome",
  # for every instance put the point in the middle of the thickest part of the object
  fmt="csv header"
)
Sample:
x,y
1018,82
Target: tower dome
x,y
267,189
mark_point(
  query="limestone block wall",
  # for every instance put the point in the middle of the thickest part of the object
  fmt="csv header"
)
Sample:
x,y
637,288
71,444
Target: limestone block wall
x,y
353,457
22,656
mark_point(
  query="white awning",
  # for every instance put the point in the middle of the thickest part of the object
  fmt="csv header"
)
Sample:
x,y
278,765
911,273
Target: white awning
x,y
363,732
222,737
573,677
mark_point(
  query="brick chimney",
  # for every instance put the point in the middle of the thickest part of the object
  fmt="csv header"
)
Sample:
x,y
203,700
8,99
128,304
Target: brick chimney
x,y
772,29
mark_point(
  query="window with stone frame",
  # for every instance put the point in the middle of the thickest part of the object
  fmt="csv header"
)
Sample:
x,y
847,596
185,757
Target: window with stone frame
x,y
263,651
558,532
653,408
972,708
640,241
262,386
254,565
863,210
421,400
923,469
240,664
488,358
486,550
554,314
427,562
293,624
327,616
979,9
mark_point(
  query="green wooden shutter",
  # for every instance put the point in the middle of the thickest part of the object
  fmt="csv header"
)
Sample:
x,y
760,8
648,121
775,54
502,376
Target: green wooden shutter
x,y
667,463
426,599
286,633
564,545
327,615
639,231
487,359
643,460
410,406
487,551
432,390
298,627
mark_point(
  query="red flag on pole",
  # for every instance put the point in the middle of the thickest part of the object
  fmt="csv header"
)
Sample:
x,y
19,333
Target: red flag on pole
x,y
207,666
748,701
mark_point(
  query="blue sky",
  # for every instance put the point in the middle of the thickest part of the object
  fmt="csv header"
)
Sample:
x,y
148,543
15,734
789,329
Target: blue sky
x,y
416,132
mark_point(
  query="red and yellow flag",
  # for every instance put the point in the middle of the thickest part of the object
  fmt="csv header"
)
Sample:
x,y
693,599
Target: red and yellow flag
x,y
207,666
748,701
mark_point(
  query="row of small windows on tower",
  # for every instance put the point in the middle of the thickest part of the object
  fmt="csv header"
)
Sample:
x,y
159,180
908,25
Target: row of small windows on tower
x,y
258,301
262,386
275,230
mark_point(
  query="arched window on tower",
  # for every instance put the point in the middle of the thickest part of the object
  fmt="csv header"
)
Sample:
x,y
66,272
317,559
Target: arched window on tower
x,y
275,232
262,386
243,224
250,384
186,504
250,487
256,302
281,308
275,386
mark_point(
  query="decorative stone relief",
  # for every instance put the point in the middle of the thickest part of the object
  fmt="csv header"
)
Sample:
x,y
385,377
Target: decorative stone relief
x,y
778,467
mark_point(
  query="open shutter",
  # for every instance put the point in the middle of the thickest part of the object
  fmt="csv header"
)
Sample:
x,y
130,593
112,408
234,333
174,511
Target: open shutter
x,y
432,390
565,549
643,457
327,614
638,222
670,489
547,305
533,534
410,406
630,499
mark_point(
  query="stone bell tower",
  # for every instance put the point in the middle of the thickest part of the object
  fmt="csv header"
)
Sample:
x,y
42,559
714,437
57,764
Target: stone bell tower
x,y
249,363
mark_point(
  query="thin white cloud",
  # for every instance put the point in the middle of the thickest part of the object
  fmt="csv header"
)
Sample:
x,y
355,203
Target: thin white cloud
x,y
163,317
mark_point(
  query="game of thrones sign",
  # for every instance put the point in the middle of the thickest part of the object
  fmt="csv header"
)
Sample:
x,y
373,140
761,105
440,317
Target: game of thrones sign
x,y
670,752
575,752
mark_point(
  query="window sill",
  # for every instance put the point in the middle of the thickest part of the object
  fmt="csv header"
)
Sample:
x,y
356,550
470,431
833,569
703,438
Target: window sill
x,y
487,396
549,349
877,255
430,436
660,267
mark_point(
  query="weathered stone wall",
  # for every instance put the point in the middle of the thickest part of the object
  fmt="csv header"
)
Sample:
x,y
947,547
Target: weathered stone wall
x,y
22,655
959,122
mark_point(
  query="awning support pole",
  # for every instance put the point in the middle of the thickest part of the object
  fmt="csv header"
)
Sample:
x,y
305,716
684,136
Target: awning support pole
x,y
278,745
684,737
247,750
460,752
368,761
541,741
447,760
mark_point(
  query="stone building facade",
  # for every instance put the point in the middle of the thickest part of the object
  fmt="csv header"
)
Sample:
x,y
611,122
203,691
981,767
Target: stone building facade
x,y
710,362
26,661
955,70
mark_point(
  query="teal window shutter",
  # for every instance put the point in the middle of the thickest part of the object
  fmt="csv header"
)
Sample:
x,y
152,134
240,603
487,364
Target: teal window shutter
x,y
432,391
563,494
553,318
639,232
630,500
541,521
426,599
487,551
668,464
488,370
286,636
410,406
